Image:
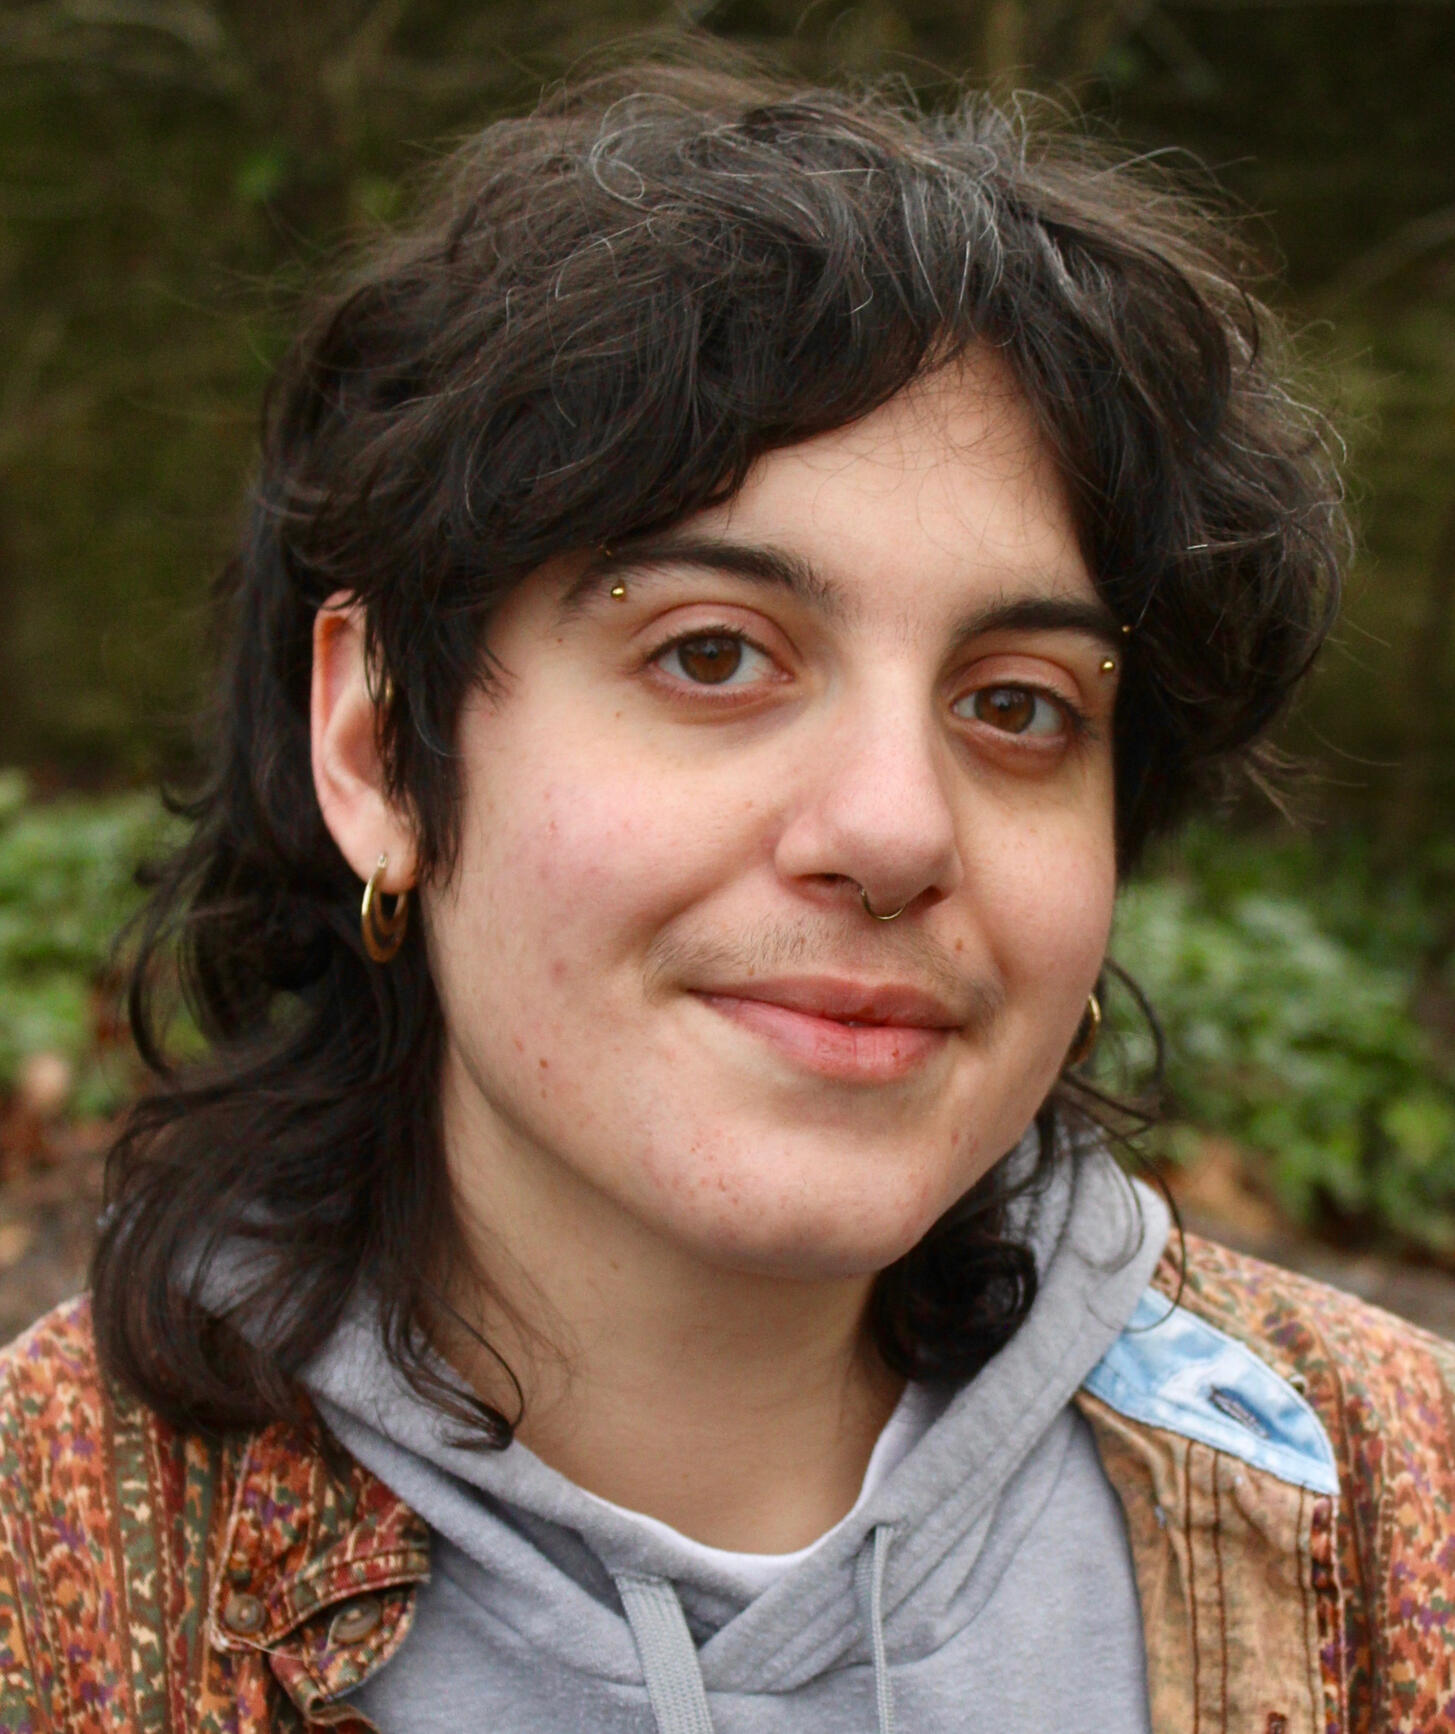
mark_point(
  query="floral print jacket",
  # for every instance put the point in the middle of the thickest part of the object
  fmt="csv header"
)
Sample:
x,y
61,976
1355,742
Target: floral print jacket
x,y
1285,1456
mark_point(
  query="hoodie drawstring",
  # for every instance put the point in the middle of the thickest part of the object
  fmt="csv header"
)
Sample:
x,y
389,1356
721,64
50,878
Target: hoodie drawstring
x,y
870,1578
668,1655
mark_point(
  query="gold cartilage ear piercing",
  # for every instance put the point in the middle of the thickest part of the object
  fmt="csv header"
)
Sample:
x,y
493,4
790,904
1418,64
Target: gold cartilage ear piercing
x,y
383,934
1108,665
618,590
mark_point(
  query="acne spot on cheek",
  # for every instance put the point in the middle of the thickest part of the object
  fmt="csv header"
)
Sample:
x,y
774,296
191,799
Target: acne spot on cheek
x,y
959,945
558,969
545,1065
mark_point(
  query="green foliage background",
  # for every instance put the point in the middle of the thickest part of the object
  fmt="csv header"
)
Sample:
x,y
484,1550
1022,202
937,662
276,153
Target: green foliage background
x,y
175,173
1289,980
67,886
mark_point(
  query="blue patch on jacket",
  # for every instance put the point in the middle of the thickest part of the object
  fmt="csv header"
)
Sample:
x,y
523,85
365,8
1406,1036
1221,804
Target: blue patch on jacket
x,y
1171,1369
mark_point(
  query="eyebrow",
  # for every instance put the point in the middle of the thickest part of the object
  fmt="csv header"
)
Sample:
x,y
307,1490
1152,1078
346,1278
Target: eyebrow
x,y
776,567
760,563
1045,613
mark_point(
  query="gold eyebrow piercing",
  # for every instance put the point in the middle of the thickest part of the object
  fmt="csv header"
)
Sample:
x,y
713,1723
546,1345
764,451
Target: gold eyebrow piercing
x,y
618,591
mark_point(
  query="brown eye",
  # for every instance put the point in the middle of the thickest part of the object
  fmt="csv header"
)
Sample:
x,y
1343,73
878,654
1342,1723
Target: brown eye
x,y
711,660
1014,710
717,657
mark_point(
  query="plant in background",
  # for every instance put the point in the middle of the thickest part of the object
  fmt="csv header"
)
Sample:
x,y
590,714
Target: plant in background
x,y
67,886
1283,980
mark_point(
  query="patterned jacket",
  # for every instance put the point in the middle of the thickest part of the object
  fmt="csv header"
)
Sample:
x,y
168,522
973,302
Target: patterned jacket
x,y
1284,1454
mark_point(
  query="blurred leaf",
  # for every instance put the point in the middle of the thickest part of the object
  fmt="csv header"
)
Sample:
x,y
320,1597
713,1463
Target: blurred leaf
x,y
13,790
67,886
263,174
1282,979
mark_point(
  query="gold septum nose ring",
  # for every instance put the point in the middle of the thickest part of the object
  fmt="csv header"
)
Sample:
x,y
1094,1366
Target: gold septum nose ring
x,y
873,913
383,934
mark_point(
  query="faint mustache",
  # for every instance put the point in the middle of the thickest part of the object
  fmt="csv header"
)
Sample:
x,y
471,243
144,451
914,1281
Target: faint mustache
x,y
907,959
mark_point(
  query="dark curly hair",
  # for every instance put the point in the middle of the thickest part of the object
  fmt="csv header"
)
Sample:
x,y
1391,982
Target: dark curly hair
x,y
607,312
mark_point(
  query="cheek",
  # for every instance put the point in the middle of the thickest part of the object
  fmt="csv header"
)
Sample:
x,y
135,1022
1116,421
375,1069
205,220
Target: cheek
x,y
601,858
563,878
1048,897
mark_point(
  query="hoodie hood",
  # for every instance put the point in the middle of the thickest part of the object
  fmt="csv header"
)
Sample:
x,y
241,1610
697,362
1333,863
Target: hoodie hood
x,y
593,1588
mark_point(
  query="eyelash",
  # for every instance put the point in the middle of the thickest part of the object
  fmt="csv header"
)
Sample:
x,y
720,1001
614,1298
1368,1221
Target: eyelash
x,y
1079,727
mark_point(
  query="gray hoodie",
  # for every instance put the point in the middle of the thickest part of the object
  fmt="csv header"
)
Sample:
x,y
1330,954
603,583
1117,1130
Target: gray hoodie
x,y
984,1583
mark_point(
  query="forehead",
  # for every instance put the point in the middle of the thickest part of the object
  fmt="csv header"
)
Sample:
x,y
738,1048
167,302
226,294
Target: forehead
x,y
950,440
940,515
945,493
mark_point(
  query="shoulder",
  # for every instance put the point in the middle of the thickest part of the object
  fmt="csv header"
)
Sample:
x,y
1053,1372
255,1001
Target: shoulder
x,y
49,1376
1369,1375
107,1519
1384,1392
57,1418
152,1577
66,1433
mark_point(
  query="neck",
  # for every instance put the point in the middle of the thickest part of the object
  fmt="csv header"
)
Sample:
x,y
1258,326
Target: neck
x,y
739,1407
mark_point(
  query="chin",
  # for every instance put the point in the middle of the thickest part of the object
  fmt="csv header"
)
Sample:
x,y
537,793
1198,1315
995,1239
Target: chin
x,y
833,1239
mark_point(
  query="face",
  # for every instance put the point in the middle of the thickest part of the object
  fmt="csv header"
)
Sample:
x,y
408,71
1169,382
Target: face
x,y
876,674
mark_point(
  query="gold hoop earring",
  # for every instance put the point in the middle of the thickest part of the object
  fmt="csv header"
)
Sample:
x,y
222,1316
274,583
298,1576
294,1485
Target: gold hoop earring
x,y
1086,1033
383,934
874,913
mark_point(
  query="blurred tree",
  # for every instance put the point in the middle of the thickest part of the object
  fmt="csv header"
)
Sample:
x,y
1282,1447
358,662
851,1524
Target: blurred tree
x,y
1418,782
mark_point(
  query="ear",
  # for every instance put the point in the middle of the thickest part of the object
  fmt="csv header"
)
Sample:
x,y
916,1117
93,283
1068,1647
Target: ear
x,y
348,774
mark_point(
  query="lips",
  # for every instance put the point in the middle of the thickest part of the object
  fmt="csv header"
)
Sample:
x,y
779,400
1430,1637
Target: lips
x,y
854,1031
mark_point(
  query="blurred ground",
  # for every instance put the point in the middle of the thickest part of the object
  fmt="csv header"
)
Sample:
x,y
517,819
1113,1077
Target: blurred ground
x,y
51,1194
48,1206
1215,1199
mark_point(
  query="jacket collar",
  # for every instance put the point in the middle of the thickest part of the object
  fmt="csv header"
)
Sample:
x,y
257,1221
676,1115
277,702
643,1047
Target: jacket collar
x,y
317,1566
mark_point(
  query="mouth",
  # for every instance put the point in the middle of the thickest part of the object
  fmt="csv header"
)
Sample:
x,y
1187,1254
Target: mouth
x,y
851,1031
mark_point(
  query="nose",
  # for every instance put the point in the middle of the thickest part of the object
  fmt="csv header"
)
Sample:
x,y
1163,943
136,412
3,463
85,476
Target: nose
x,y
872,806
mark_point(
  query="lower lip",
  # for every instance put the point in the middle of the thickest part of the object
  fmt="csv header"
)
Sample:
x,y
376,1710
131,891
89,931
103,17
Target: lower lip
x,y
854,1053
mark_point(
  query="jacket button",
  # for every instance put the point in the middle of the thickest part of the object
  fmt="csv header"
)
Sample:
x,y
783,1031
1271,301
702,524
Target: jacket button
x,y
355,1620
242,1613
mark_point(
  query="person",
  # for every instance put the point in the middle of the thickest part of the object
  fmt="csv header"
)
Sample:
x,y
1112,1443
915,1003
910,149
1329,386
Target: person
x,y
727,597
